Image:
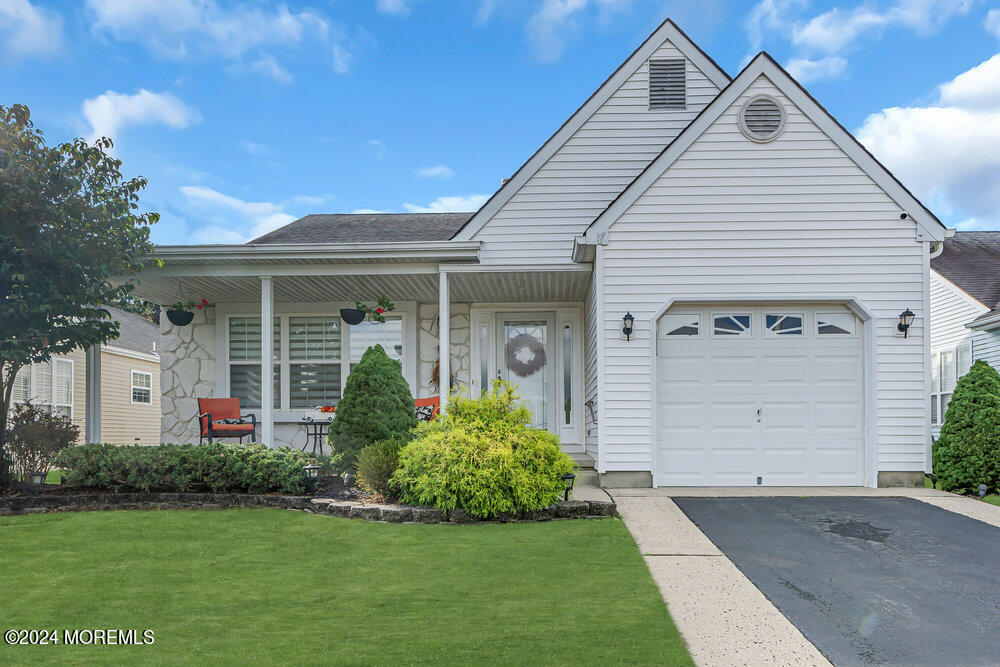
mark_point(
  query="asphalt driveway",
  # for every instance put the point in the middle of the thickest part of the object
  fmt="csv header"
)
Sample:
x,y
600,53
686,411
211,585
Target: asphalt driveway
x,y
867,580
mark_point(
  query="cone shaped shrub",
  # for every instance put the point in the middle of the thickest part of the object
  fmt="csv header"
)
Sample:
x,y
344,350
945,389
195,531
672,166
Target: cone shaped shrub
x,y
376,404
967,453
483,456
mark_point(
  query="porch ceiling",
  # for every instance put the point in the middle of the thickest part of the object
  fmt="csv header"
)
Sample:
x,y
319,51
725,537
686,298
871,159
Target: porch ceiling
x,y
481,286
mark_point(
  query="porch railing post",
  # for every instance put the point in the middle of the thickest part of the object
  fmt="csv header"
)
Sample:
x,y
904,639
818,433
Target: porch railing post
x,y
92,401
444,338
267,361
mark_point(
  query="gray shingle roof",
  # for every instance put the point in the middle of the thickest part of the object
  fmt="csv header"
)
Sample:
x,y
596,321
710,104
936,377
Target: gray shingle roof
x,y
135,333
971,260
367,228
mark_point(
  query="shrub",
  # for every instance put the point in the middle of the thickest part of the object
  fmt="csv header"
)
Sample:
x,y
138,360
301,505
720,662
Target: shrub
x,y
482,456
377,463
218,467
376,404
967,453
36,438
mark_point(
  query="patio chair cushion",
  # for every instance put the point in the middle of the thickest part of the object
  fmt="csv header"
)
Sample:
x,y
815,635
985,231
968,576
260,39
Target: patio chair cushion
x,y
426,409
220,408
232,428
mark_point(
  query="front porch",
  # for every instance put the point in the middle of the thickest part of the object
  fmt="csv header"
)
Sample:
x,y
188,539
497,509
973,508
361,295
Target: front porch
x,y
453,324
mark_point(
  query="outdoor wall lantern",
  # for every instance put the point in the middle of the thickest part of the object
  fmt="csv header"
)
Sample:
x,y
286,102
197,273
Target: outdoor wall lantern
x,y
905,320
37,479
629,327
568,480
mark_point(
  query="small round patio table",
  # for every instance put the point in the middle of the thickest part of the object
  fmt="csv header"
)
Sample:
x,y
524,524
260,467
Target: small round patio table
x,y
315,433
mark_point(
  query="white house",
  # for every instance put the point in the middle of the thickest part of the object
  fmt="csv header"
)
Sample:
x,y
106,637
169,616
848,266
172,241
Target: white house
x,y
965,312
765,255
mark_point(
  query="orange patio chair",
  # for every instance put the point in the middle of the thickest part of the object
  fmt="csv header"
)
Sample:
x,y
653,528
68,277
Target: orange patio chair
x,y
221,418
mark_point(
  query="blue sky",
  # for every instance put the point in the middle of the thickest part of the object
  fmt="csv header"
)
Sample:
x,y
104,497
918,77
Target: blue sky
x,y
247,115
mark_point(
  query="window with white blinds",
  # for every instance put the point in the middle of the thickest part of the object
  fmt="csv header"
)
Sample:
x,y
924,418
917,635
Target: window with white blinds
x,y
142,387
947,366
48,384
667,84
244,345
313,355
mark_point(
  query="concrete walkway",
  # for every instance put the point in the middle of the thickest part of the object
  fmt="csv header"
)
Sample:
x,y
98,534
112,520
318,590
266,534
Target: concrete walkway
x,y
723,618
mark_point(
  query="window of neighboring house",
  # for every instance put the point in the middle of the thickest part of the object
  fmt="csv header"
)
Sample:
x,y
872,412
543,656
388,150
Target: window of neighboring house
x,y
947,366
313,356
48,384
142,388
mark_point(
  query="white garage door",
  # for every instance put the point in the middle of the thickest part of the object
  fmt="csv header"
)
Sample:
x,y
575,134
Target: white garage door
x,y
759,396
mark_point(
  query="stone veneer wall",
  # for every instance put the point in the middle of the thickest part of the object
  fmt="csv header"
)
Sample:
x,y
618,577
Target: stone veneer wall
x,y
427,345
187,373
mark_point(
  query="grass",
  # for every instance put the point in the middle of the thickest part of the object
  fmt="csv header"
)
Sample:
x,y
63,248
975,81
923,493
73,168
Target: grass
x,y
256,586
992,499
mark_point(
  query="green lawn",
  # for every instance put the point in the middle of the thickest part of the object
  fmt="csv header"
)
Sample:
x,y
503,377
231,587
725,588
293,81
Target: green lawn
x,y
255,586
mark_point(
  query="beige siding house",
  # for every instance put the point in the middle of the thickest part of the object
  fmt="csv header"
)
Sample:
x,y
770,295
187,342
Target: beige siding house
x,y
129,384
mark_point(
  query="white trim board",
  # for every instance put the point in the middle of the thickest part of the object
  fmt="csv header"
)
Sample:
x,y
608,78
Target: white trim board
x,y
667,31
929,228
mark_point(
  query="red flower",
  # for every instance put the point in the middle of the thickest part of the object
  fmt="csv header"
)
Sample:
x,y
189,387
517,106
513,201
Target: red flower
x,y
378,310
199,306
204,302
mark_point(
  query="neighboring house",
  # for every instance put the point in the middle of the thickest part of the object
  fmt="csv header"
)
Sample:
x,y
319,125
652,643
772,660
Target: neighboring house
x,y
765,255
129,372
965,312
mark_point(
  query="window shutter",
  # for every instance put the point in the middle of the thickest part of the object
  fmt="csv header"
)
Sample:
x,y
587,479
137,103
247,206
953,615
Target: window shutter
x,y
667,84
964,354
63,389
22,385
935,373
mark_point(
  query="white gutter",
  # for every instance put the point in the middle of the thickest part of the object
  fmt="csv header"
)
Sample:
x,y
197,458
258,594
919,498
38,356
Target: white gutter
x,y
465,251
987,324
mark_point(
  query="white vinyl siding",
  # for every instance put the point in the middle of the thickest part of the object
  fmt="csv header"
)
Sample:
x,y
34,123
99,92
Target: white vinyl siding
x,y
986,346
735,219
601,158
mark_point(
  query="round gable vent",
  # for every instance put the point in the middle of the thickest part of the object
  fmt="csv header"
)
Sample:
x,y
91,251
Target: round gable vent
x,y
762,118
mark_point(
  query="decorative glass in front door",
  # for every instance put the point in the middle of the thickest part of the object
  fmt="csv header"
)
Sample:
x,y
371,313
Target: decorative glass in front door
x,y
525,361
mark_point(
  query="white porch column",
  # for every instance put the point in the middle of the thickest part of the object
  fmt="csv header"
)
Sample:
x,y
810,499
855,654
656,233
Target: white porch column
x,y
92,402
444,338
267,361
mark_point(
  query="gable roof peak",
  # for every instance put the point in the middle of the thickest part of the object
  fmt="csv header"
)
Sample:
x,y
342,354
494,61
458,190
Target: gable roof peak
x,y
929,228
667,31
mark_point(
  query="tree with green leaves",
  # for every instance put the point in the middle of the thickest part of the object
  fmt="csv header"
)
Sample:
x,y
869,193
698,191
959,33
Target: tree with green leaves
x,y
376,404
71,235
967,453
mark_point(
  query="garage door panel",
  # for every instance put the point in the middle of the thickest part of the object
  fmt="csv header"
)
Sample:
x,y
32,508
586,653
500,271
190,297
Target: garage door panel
x,y
807,387
731,370
783,371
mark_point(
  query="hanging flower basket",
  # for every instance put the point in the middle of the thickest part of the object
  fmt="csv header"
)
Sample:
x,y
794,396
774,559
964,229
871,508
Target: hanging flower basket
x,y
180,318
181,313
352,315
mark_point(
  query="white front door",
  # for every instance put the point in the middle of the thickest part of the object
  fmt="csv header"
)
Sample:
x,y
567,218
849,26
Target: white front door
x,y
525,358
761,395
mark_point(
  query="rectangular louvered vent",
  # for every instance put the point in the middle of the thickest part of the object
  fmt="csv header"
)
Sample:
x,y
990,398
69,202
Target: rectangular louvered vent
x,y
666,84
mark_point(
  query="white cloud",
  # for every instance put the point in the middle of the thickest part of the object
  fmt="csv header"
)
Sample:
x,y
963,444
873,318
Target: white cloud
x,y
556,21
268,66
992,22
110,113
837,30
183,28
822,42
948,153
367,210
393,7
485,11
27,30
805,70
449,204
254,148
214,234
233,214
441,171
380,149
